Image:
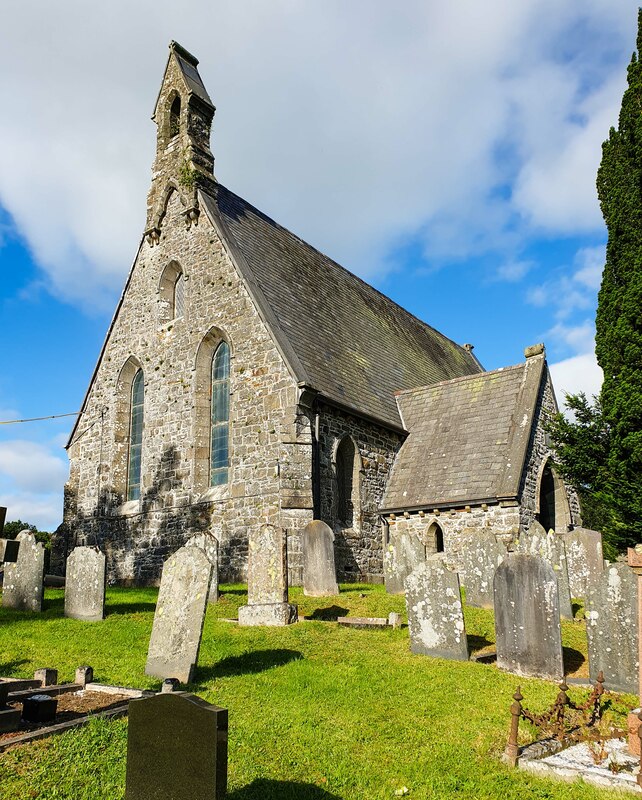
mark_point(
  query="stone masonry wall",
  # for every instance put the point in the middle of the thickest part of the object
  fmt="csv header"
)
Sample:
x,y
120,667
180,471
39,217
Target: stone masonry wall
x,y
137,536
358,550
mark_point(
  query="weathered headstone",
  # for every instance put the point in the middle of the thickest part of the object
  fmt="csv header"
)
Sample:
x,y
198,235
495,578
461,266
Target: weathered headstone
x,y
267,580
319,575
550,547
85,584
176,748
585,559
480,555
612,628
24,580
209,546
405,552
435,616
3,517
180,614
527,617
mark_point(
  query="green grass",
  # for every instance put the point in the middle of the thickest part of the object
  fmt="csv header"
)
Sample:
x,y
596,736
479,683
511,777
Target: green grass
x,y
317,712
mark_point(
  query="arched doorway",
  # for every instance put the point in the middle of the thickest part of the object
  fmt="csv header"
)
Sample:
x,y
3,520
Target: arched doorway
x,y
554,512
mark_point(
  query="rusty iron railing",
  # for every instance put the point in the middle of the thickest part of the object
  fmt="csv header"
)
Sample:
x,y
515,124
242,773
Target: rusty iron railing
x,y
565,720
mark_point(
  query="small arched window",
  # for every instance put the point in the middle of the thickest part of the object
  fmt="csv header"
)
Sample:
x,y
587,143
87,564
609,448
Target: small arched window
x,y
135,437
175,118
220,436
179,296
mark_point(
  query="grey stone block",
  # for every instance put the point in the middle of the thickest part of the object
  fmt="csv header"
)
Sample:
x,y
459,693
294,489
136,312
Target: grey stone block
x,y
268,614
481,554
549,546
405,552
612,628
180,614
585,559
23,580
209,546
319,575
435,616
527,617
85,584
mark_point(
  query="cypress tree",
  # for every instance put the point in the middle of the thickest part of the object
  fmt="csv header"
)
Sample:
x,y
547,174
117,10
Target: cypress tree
x,y
618,341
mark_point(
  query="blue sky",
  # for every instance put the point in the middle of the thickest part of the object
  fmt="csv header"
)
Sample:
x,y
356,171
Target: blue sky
x,y
445,152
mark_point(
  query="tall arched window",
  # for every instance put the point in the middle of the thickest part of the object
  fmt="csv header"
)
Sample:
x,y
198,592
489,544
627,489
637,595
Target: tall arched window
x,y
179,296
135,437
347,470
175,118
220,436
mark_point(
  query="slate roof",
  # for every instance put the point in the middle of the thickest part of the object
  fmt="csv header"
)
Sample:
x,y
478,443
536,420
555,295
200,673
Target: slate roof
x,y
468,438
339,335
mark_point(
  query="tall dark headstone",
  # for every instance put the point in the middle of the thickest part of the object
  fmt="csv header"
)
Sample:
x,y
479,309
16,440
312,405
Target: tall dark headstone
x,y
3,517
585,559
176,748
549,546
480,555
180,614
319,575
527,617
435,616
85,584
404,554
612,628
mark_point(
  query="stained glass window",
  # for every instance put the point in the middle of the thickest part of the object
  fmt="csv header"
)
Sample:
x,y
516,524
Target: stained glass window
x,y
220,436
135,437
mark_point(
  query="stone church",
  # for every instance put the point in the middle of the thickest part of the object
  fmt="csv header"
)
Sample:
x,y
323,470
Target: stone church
x,y
246,378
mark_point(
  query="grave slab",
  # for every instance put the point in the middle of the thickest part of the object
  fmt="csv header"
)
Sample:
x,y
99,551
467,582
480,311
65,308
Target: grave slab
x,y
176,748
85,584
319,574
23,580
527,617
550,547
480,555
180,614
585,559
405,552
435,616
209,545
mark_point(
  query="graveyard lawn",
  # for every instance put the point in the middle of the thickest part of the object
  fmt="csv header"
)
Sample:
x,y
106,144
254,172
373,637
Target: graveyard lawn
x,y
316,711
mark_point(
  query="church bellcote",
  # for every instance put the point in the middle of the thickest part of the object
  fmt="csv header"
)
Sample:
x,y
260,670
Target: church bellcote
x,y
183,115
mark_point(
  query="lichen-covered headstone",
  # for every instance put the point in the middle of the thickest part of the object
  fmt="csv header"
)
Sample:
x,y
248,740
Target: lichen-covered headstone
x,y
480,555
85,584
404,553
551,548
319,574
180,613
612,628
24,580
209,546
585,559
267,580
527,617
176,748
435,616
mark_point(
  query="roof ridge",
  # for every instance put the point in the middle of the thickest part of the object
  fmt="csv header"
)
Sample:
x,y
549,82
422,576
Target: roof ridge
x,y
472,376
356,277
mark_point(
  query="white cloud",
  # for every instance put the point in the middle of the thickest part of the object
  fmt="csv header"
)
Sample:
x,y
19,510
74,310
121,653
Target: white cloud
x,y
580,373
31,467
42,510
513,271
355,124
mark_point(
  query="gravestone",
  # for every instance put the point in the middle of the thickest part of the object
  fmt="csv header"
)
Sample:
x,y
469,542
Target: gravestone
x,y
319,575
527,617
585,559
24,579
180,613
405,552
480,556
209,545
3,517
267,580
435,617
85,584
612,628
551,548
176,748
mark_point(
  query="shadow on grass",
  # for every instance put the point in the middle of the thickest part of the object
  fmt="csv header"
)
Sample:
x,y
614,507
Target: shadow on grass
x,y
128,608
329,614
246,664
263,789
224,590
478,643
7,668
573,660
577,607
